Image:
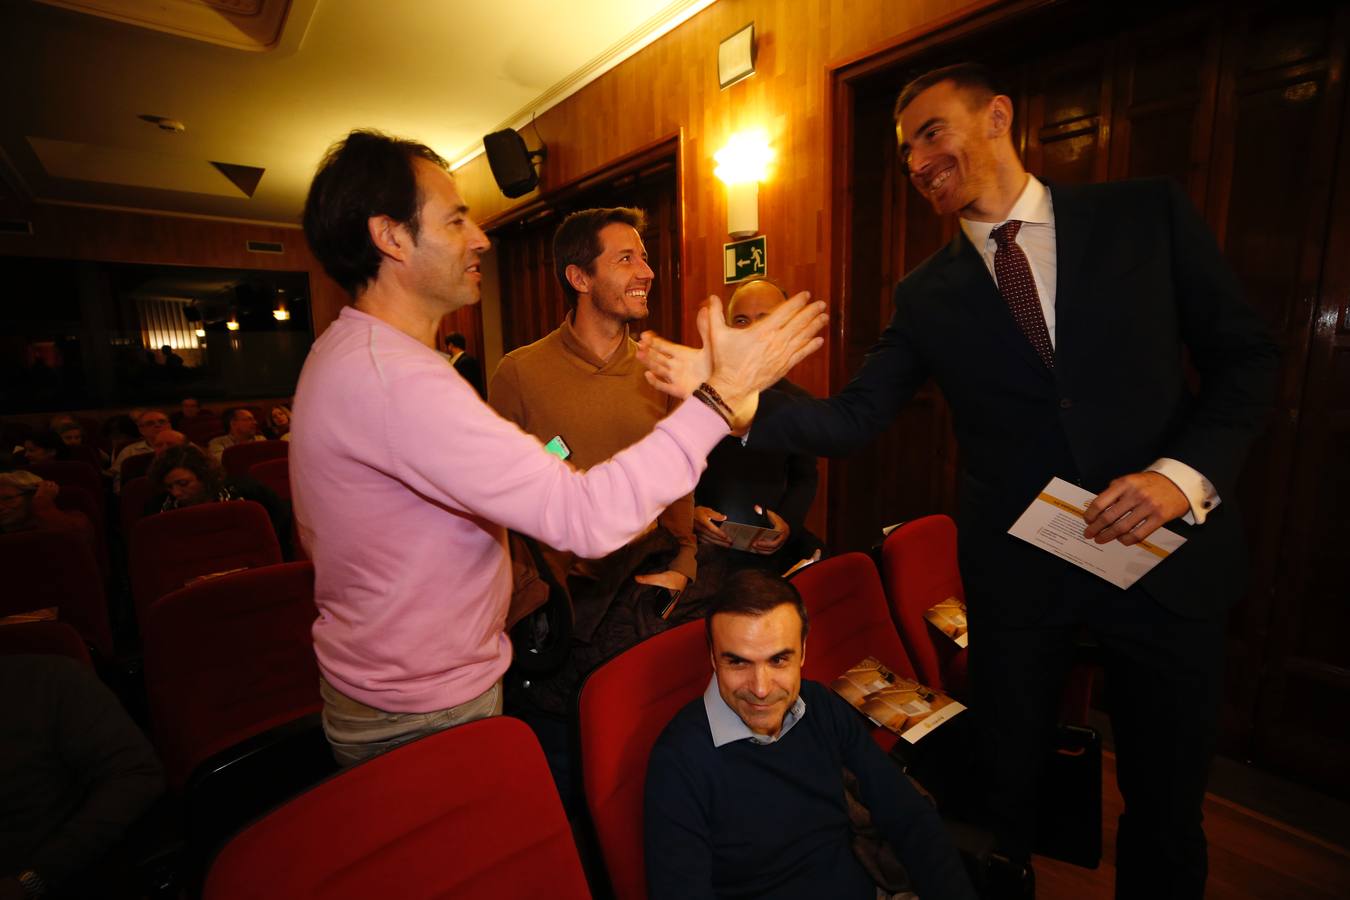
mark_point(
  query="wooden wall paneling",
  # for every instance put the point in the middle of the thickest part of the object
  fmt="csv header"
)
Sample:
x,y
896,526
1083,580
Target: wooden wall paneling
x,y
1068,118
1292,85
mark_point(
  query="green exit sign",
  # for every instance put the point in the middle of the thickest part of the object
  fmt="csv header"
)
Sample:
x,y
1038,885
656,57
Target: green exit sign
x,y
744,259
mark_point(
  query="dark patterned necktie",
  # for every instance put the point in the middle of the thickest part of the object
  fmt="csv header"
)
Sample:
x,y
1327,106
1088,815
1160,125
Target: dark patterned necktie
x,y
1012,271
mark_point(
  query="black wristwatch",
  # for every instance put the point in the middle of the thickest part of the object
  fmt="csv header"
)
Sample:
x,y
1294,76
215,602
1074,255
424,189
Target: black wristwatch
x,y
33,885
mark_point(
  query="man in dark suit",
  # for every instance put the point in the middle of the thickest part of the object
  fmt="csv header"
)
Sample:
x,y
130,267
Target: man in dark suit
x,y
469,368
1058,342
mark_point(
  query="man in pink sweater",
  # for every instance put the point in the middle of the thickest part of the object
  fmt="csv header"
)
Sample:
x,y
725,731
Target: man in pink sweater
x,y
404,513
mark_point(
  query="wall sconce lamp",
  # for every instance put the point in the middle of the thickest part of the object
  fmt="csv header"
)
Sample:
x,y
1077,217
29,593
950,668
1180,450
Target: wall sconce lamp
x,y
281,314
741,165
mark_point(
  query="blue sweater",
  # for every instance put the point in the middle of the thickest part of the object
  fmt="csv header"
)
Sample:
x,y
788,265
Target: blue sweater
x,y
770,820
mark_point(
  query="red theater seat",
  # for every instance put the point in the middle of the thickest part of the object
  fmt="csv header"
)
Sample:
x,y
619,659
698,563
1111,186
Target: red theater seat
x,y
65,472
131,503
136,466
229,658
54,638
74,498
274,474
238,459
171,549
56,568
918,563
849,622
469,813
625,705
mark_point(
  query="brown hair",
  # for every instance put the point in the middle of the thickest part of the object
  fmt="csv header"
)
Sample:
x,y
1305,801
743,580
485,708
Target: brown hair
x,y
751,592
577,241
971,77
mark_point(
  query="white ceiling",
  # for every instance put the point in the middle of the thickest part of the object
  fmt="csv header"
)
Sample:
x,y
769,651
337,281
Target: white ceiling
x,y
442,71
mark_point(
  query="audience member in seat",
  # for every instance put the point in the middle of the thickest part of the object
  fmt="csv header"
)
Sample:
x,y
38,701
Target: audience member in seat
x,y
28,503
45,446
186,476
188,411
243,427
72,436
279,424
75,774
780,485
403,478
167,439
745,787
582,385
150,422
465,363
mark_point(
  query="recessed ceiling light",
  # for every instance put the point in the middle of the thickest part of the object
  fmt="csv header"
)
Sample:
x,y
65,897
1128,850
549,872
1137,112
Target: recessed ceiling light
x,y
163,123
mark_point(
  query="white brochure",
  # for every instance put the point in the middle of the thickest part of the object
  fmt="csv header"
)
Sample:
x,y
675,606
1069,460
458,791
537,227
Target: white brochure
x,y
1054,522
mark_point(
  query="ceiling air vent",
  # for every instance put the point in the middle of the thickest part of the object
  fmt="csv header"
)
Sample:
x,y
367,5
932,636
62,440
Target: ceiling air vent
x,y
265,247
16,226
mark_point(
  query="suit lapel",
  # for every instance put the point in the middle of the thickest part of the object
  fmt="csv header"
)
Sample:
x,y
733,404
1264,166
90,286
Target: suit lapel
x,y
1073,227
976,294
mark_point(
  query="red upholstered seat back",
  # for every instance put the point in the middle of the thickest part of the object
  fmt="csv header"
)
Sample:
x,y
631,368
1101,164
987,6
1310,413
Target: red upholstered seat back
x,y
64,472
228,658
131,502
56,568
470,813
55,638
625,705
75,498
238,459
274,474
170,549
849,618
202,427
849,621
136,466
919,566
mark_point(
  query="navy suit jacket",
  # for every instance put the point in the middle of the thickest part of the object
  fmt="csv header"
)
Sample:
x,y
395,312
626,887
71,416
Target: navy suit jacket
x,y
1140,284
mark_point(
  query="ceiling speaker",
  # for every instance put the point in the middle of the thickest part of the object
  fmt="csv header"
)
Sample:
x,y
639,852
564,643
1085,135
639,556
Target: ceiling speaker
x,y
512,163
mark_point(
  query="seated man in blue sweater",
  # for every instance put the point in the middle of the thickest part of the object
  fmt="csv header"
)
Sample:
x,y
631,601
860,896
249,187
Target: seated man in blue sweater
x,y
745,787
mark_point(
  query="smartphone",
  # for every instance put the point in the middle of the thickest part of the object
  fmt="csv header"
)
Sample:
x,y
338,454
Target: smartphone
x,y
558,447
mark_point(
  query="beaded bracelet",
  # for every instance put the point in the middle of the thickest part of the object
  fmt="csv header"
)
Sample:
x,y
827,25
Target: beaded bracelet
x,y
714,402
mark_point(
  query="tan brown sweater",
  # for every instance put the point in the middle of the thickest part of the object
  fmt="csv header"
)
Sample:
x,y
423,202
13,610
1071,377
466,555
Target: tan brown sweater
x,y
558,387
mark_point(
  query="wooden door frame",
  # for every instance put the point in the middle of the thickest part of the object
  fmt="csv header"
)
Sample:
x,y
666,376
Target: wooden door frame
x,y
843,81
671,147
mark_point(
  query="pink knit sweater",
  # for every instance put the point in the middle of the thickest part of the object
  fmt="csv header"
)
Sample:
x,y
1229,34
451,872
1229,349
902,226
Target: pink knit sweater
x,y
404,483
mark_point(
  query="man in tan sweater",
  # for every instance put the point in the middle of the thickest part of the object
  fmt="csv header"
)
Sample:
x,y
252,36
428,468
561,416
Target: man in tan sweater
x,y
582,383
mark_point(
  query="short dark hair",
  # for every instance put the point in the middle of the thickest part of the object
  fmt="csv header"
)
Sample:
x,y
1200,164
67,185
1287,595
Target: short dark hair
x,y
969,76
365,174
192,458
228,415
753,592
48,440
456,339
577,241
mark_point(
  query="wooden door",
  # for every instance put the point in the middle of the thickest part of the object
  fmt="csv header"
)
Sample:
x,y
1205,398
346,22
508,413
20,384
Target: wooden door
x,y
532,299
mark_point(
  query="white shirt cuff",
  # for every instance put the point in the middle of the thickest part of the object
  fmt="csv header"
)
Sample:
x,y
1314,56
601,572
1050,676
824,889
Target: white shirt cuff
x,y
1200,493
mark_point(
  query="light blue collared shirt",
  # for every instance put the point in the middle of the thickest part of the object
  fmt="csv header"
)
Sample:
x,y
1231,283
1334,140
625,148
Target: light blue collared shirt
x,y
727,727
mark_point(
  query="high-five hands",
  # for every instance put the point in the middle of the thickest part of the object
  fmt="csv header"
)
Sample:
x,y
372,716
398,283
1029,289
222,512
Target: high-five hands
x,y
737,362
1134,506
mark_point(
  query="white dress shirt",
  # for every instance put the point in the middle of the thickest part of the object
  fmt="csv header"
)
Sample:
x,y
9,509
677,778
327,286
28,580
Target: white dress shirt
x,y
1036,237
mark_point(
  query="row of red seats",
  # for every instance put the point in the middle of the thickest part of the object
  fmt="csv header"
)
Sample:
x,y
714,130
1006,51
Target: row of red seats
x,y
396,809
229,661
